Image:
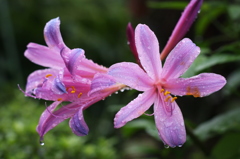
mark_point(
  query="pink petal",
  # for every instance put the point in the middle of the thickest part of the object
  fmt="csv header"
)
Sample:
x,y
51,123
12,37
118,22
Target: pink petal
x,y
72,58
198,86
180,59
135,108
103,83
79,66
183,25
78,124
169,122
131,75
37,77
53,36
49,120
43,56
148,51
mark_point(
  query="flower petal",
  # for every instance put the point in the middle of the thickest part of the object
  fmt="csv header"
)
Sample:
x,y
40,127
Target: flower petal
x,y
183,25
131,75
50,119
72,58
135,108
169,122
102,84
53,36
43,56
79,66
198,86
180,59
148,51
78,124
37,77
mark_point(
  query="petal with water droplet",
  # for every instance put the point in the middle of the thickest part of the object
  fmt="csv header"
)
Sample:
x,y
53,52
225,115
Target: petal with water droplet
x,y
198,86
53,36
135,108
148,51
180,59
131,75
170,126
78,124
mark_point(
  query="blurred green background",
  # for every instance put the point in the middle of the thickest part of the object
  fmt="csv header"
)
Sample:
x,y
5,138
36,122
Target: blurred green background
x,y
213,122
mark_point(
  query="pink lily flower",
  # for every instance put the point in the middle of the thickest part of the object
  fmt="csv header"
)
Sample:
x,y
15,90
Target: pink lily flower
x,y
68,79
161,84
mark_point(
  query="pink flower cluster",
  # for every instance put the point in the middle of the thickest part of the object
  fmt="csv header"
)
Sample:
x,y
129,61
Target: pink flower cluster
x,y
72,78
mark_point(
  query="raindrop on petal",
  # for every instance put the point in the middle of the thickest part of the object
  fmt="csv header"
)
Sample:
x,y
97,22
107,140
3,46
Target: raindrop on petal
x,y
180,145
166,146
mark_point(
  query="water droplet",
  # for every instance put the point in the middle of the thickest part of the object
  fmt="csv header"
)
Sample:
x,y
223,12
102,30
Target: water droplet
x,y
41,143
166,146
116,92
180,145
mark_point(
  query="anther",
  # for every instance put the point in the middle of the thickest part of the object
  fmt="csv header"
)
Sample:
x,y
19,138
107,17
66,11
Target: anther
x,y
166,93
162,90
167,98
73,89
173,99
79,95
59,99
48,75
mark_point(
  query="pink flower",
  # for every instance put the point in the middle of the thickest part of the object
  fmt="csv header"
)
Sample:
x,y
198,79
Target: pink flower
x,y
68,79
160,84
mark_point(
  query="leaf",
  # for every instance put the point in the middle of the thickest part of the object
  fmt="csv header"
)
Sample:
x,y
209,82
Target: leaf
x,y
219,125
228,147
203,62
233,83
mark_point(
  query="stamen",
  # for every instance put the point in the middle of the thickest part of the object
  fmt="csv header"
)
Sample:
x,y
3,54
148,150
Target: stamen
x,y
79,95
167,98
166,93
73,89
48,75
173,99
162,90
59,99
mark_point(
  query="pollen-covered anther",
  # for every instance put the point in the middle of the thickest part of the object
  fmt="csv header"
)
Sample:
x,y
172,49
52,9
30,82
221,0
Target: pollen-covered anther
x,y
48,75
166,99
173,99
73,89
59,99
166,93
162,90
79,95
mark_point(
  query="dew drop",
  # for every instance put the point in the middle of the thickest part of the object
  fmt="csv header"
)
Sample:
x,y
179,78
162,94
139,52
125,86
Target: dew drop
x,y
180,145
166,146
116,92
41,143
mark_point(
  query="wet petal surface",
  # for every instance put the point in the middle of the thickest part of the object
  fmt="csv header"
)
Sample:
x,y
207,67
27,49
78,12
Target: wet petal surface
x,y
148,51
169,122
180,59
135,108
198,86
131,75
